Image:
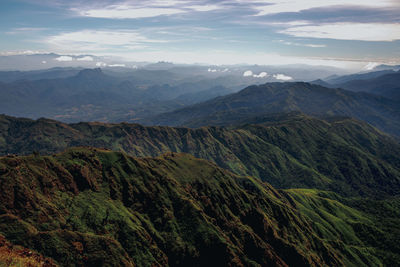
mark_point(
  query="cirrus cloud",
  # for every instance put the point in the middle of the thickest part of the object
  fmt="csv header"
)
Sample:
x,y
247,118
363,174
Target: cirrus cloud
x,y
348,31
127,12
267,7
145,9
99,40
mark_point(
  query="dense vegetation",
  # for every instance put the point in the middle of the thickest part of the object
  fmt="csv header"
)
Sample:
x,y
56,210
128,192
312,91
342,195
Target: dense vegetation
x,y
92,207
15,255
288,151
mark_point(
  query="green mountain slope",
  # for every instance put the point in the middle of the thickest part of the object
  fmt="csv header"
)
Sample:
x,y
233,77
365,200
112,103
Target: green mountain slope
x,y
284,97
97,208
292,150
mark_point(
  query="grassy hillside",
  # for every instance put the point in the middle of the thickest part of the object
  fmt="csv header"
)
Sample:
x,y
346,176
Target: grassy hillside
x,y
287,150
12,255
93,207
354,221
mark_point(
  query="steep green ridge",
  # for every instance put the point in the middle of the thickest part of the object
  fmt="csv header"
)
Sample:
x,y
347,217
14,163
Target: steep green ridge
x,y
97,208
311,99
354,221
286,150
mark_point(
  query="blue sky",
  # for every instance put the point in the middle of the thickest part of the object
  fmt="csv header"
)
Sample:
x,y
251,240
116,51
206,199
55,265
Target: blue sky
x,y
268,32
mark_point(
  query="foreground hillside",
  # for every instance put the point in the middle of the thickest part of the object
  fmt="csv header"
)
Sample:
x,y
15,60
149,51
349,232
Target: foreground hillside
x,y
269,98
287,150
89,207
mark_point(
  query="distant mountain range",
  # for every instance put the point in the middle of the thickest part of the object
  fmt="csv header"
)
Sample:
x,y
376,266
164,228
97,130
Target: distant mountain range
x,y
254,101
357,76
140,96
41,61
116,94
91,94
385,83
54,73
386,67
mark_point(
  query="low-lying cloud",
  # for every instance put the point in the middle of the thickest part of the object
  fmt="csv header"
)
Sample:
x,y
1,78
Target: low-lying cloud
x,y
85,58
282,77
64,58
248,73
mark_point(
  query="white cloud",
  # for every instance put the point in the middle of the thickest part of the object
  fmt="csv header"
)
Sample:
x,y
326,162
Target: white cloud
x,y
120,37
44,62
248,73
25,30
299,44
267,7
348,31
145,9
92,40
101,64
135,47
164,3
128,12
282,77
261,75
218,70
295,23
64,58
203,8
371,65
116,65
85,58
314,45
18,53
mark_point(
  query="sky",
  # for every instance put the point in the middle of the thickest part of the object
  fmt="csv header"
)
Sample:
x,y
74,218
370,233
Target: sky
x,y
339,33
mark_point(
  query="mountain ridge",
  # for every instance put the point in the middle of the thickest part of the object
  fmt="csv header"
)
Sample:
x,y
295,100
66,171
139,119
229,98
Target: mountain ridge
x,y
292,150
284,97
